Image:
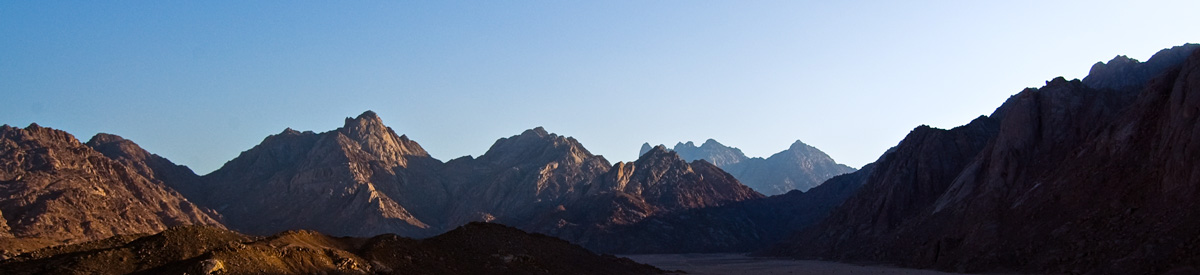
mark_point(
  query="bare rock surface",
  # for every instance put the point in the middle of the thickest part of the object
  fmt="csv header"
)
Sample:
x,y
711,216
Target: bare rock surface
x,y
54,190
1074,178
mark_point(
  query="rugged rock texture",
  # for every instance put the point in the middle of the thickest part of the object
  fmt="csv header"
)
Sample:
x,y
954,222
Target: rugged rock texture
x,y
350,181
712,151
520,177
363,179
476,248
1076,180
1124,74
658,183
906,180
736,227
54,189
800,167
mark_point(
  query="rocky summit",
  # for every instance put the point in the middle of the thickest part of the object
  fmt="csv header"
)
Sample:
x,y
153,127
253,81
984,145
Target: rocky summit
x,y
800,167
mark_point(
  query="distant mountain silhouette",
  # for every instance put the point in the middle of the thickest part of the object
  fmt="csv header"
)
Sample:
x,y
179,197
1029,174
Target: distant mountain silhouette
x,y
1093,176
800,167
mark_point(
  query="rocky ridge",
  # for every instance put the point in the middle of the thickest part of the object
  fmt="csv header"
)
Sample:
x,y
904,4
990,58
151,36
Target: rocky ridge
x,y
1089,176
54,189
476,248
800,167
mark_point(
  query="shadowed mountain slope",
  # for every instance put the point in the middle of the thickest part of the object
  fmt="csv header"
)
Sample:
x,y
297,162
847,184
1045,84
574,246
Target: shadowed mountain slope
x,y
1080,177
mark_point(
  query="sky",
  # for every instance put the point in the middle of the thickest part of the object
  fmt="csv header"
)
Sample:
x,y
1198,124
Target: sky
x,y
198,82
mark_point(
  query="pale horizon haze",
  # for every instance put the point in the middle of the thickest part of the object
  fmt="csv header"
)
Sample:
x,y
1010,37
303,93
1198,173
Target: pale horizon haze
x,y
200,82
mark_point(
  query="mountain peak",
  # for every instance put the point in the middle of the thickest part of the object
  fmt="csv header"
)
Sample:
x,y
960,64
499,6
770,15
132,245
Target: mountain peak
x,y
106,138
1124,73
536,132
799,144
366,119
660,153
368,115
711,143
535,143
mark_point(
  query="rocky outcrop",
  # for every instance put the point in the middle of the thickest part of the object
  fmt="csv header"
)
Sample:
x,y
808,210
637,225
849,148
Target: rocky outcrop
x,y
54,189
476,248
1080,178
800,167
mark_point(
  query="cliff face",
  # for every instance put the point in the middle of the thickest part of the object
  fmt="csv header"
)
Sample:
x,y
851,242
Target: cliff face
x,y
800,167
54,189
1076,179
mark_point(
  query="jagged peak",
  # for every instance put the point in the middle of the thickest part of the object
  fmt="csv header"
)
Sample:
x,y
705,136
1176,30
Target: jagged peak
x,y
711,143
1059,81
799,144
536,133
645,148
533,141
1122,59
371,115
367,119
659,152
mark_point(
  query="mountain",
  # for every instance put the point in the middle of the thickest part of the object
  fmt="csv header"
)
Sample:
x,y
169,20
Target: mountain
x,y
364,179
476,248
55,190
800,167
742,226
519,177
351,181
658,183
1095,176
712,151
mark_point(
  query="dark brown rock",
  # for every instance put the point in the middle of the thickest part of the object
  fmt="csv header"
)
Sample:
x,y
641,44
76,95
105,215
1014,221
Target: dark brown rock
x,y
1076,180
475,248
57,190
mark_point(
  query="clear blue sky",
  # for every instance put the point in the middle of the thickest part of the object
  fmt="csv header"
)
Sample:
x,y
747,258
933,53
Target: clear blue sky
x,y
200,81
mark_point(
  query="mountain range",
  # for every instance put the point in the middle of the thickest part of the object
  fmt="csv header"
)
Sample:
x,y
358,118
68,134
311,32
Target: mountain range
x,y
1092,176
362,180
800,167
